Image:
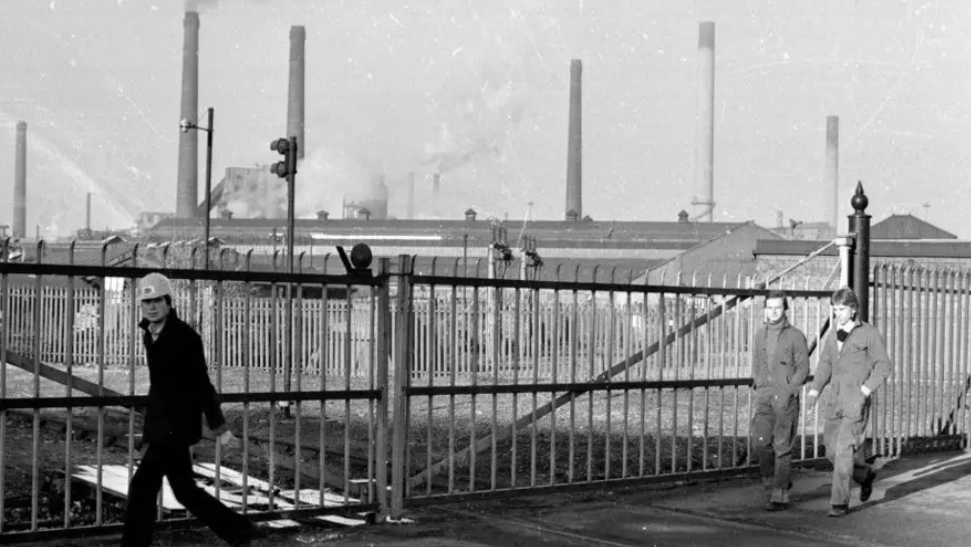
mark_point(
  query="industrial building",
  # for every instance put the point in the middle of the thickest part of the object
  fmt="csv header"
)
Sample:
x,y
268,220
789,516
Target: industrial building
x,y
901,240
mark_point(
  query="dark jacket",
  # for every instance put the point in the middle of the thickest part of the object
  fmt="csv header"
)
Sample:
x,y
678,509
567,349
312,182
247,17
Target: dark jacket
x,y
180,391
783,373
863,361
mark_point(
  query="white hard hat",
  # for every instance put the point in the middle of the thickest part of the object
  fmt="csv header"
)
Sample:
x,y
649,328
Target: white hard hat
x,y
153,285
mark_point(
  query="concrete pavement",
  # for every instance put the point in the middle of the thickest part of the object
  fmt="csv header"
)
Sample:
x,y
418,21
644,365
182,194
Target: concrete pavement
x,y
919,500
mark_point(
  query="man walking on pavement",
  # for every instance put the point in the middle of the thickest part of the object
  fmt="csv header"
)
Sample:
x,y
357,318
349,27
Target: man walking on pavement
x,y
780,364
854,363
179,395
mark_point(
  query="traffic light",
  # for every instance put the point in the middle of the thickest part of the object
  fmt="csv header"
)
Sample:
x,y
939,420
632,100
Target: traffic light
x,y
288,149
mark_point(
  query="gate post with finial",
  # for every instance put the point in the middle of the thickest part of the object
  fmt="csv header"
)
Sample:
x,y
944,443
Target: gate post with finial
x,y
860,227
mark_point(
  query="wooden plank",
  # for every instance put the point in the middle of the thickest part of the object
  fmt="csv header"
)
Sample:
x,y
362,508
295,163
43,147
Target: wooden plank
x,y
115,481
283,523
341,520
235,499
309,496
231,476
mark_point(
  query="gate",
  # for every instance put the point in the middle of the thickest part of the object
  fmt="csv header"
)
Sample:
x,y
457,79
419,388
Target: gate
x,y
514,386
296,357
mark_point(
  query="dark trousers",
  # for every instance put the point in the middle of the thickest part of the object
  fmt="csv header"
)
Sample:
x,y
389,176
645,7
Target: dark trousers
x,y
773,428
173,460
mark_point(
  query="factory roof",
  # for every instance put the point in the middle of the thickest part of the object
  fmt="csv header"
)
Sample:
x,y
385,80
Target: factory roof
x,y
886,248
907,227
897,236
622,270
646,231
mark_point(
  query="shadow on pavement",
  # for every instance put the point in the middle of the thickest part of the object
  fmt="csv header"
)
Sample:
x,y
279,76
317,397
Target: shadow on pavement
x,y
905,478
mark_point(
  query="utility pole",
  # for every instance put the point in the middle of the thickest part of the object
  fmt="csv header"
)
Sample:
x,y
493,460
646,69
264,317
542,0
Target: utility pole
x,y
287,169
186,125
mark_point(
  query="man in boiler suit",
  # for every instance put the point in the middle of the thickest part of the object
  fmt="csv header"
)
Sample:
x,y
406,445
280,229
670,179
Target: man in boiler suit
x,y
854,363
780,364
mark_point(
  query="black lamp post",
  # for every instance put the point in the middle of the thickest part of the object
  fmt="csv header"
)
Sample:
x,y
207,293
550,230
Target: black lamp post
x,y
186,125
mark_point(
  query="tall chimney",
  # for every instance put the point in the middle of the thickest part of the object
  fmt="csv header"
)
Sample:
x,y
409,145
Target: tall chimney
x,y
20,183
87,213
574,146
436,185
410,204
831,181
295,100
187,193
705,123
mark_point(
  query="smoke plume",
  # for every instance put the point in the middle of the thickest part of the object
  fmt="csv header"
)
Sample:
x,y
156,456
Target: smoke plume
x,y
330,179
479,115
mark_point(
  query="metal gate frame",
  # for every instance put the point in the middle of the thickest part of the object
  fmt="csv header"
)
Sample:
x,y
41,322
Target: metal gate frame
x,y
374,395
406,393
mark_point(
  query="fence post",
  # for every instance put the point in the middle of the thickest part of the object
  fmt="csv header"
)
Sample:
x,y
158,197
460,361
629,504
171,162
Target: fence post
x,y
402,374
845,245
383,343
860,228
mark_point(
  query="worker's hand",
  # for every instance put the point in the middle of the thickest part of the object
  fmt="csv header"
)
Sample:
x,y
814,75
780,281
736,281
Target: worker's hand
x,y
866,391
227,439
811,398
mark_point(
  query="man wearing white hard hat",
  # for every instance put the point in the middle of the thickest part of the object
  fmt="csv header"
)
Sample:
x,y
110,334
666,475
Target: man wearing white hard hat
x,y
180,393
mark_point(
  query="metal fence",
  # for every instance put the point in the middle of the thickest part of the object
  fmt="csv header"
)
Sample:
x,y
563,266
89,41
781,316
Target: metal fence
x,y
348,389
255,321
923,314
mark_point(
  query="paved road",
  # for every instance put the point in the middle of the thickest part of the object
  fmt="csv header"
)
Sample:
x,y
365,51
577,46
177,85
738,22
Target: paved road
x,y
920,500
607,526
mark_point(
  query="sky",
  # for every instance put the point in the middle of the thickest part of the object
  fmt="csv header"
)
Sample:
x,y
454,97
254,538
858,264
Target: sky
x,y
480,91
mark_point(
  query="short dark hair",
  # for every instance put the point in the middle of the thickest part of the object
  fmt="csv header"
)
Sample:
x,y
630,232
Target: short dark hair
x,y
168,300
778,294
844,296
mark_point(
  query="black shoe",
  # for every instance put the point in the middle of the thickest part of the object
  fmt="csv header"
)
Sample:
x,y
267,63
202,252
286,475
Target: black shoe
x,y
866,487
773,506
838,511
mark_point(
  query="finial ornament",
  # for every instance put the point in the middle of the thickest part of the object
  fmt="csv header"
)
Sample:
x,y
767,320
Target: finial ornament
x,y
859,200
